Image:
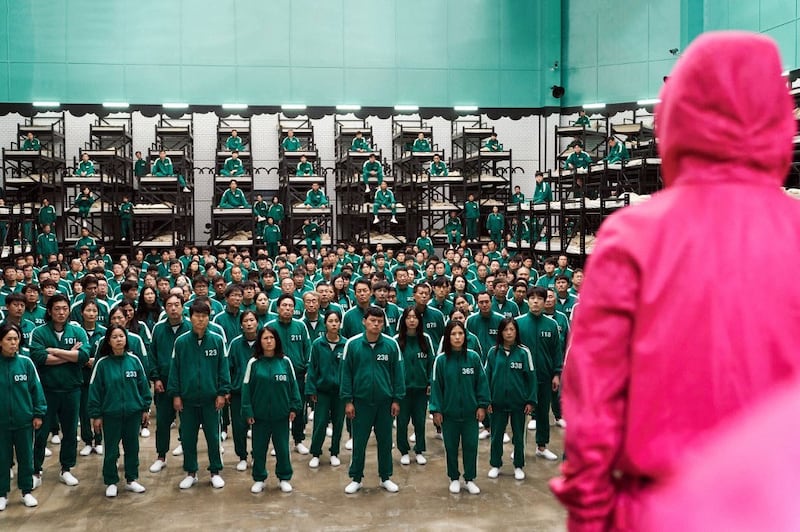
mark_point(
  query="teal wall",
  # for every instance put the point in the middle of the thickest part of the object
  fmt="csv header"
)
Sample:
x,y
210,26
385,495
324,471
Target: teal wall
x,y
269,52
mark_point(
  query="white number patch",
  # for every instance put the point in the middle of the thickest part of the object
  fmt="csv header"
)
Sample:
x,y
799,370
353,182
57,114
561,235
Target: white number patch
x,y
280,378
69,341
422,355
547,334
515,365
211,352
468,371
382,357
130,374
295,337
20,378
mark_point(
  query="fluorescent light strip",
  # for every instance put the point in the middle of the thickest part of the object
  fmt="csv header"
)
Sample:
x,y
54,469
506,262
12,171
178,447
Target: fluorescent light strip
x,y
651,101
293,107
175,105
594,106
46,104
406,108
119,105
465,108
348,107
234,106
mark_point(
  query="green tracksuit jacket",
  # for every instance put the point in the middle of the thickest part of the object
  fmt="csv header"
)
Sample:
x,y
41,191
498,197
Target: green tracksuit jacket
x,y
372,167
485,328
291,144
163,168
233,200
453,230
233,167
295,341
21,394
140,168
234,143
47,215
458,386
495,223
517,198
276,212
47,244
260,208
315,198
438,169
512,378
239,353
384,198
618,153
582,160
119,387
324,366
372,374
269,389
229,322
272,234
31,145
421,145
542,193
125,210
359,144
162,346
85,168
304,168
540,335
471,210
199,371
417,364
583,121
84,202
493,145
425,243
63,377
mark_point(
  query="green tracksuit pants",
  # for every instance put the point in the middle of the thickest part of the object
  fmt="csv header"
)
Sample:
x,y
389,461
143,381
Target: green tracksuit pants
x,y
125,227
379,417
329,408
376,208
165,415
191,419
272,249
472,228
225,417
496,237
84,211
499,422
238,427
88,435
62,408
299,423
464,433
278,432
544,393
19,441
414,408
557,403
313,243
125,429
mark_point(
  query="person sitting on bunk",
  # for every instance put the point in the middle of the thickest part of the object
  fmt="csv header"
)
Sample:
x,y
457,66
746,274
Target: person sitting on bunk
x,y
372,168
140,166
542,193
84,202
162,167
360,143
438,167
384,197
290,143
86,167
617,152
233,198
315,198
492,144
313,233
86,241
31,143
517,197
233,165
578,158
304,167
583,120
234,142
421,144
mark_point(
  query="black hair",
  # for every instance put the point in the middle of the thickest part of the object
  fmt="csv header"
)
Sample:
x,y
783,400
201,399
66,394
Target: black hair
x,y
57,298
104,349
536,291
6,328
500,328
199,307
258,349
15,296
402,330
447,348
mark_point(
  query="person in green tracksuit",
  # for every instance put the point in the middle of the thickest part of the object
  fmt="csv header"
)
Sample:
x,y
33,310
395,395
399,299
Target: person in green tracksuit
x,y
95,332
271,400
165,333
276,211
484,323
372,385
577,159
438,167
384,198
86,241
517,197
371,168
125,210
583,120
492,144
421,143
46,244
234,142
313,234
240,352
322,388
47,214
304,168
162,167
233,165
551,311
471,215
84,202
60,349
290,143
617,152
424,243
119,404
199,380
272,237
453,230
297,346
315,198
260,212
31,143
495,224
140,165
86,166
229,319
540,335
233,198
24,409
417,351
359,143
459,397
512,387
542,193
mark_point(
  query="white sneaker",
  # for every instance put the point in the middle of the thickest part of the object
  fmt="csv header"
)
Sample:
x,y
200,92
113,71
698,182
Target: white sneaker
x,y
145,433
547,454
135,487
349,444
335,462
506,438
300,448
405,460
68,478
98,449
187,189
375,220
223,436
172,425
314,462
532,424
11,473
272,452
257,487
561,423
249,434
37,481
178,450
413,438
352,487
455,486
217,482
56,439
329,432
3,503
484,434
366,189
111,490
188,482
473,488
285,486
47,452
390,486
242,465
421,460
519,474
394,220
29,501
157,466
86,451
311,415
494,472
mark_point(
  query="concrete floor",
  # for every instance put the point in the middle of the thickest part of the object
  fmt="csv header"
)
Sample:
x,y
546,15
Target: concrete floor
x,y
318,501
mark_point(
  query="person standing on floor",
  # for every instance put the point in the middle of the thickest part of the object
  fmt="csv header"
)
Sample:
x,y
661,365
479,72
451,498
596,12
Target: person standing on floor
x,y
459,397
270,402
372,386
119,403
240,352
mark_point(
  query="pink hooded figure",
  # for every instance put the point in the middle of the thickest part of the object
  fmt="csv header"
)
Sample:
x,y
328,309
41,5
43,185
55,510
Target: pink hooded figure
x,y
673,334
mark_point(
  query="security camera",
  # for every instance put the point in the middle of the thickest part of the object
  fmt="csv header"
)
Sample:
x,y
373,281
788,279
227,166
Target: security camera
x,y
674,51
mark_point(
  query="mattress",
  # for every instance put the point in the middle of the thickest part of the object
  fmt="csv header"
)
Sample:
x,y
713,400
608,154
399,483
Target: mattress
x,y
299,208
366,208
153,208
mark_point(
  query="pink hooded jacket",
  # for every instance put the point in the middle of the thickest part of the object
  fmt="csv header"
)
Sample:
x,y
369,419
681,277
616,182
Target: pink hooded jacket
x,y
689,310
